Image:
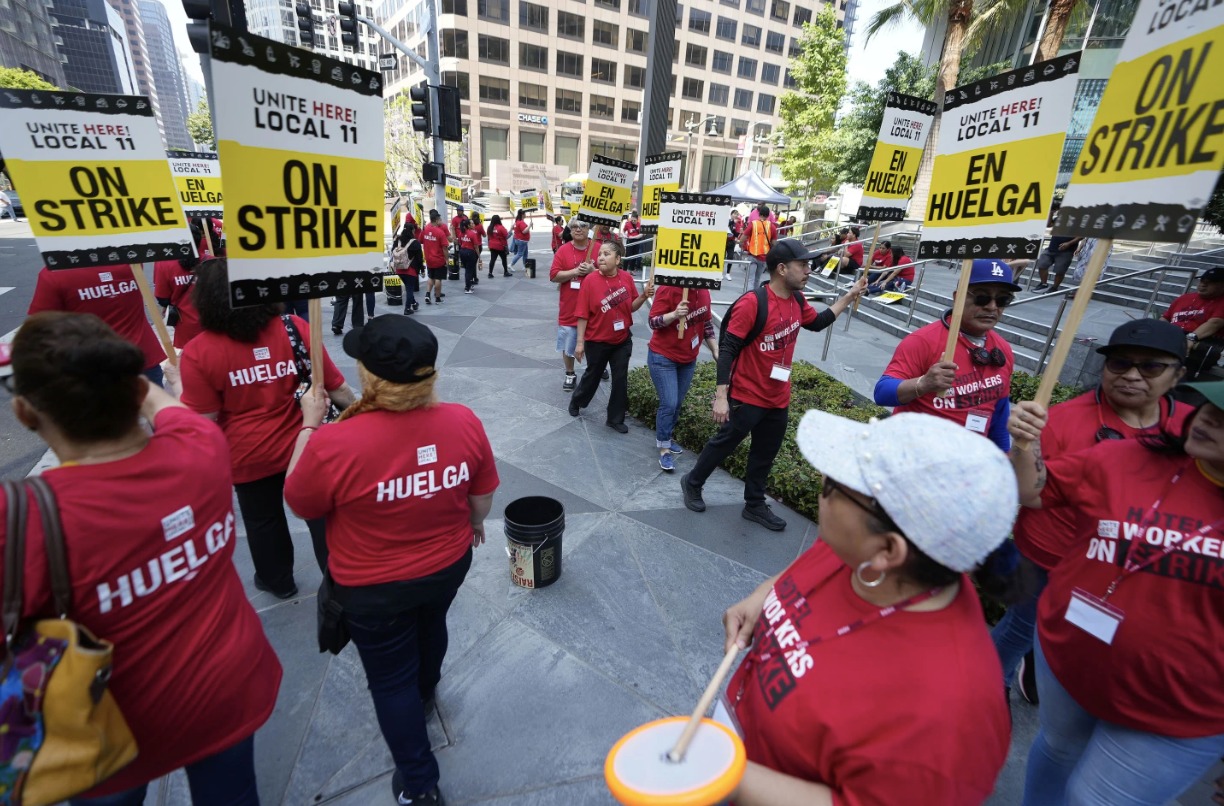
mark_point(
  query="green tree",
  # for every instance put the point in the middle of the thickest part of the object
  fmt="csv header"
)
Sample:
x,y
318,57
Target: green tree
x,y
808,113
14,78
199,126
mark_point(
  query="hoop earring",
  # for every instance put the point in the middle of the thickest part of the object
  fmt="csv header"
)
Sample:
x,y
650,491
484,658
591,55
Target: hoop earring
x,y
858,572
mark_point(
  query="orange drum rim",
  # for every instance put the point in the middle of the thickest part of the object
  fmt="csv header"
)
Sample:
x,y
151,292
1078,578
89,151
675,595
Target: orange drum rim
x,y
717,790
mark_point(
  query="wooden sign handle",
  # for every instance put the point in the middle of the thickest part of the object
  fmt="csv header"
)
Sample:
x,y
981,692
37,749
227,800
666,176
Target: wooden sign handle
x,y
150,301
958,309
315,310
683,324
1083,295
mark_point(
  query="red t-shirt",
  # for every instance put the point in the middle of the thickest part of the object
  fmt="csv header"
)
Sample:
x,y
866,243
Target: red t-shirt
x,y
109,293
558,231
855,252
250,386
470,239
881,258
150,543
522,231
497,237
1046,535
568,258
751,379
1162,672
171,281
632,229
434,240
1189,311
406,514
905,710
607,305
907,272
455,223
667,341
971,401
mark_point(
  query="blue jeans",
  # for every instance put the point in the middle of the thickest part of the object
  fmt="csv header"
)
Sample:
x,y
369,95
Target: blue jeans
x,y
518,250
1015,633
671,381
1080,760
226,777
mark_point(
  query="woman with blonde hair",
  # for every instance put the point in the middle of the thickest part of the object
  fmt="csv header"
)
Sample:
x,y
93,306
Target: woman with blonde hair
x,y
400,529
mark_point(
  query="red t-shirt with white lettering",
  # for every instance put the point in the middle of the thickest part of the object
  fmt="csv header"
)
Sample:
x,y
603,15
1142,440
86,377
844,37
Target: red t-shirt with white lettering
x,y
404,514
250,386
470,240
434,240
109,293
906,709
171,281
607,305
750,376
1162,671
567,258
1190,311
1046,535
150,543
971,401
666,341
522,231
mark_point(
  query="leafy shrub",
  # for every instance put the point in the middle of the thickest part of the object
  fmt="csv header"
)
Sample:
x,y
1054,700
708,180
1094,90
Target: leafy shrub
x,y
1024,387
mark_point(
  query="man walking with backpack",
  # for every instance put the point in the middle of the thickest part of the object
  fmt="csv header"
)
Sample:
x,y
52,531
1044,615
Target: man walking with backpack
x,y
758,238
754,365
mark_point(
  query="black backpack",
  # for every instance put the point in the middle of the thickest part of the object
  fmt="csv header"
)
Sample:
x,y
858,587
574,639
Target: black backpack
x,y
762,301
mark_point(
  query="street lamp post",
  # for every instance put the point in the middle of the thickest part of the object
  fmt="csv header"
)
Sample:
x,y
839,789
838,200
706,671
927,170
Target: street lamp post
x,y
691,125
751,140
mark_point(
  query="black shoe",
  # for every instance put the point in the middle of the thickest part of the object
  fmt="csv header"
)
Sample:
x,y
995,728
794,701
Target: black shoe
x,y
619,428
606,374
336,331
1042,287
490,275
763,515
431,798
573,409
428,301
286,593
692,495
1026,679
571,380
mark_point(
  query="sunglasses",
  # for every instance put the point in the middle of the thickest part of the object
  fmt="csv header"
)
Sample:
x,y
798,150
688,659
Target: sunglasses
x,y
1001,300
988,358
1148,369
871,506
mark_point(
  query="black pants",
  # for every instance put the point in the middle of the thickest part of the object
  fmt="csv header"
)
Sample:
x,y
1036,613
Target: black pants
x,y
767,427
467,259
341,309
599,355
494,254
262,504
1203,356
633,260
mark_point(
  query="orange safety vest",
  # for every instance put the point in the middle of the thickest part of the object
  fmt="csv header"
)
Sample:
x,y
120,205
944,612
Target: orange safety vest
x,y
758,240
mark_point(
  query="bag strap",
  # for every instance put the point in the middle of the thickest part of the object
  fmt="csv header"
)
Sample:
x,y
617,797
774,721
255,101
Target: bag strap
x,y
14,556
53,537
301,358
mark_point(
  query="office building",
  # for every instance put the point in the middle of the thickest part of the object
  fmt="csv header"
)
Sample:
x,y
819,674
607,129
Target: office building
x,y
93,47
551,84
277,19
129,11
26,39
167,72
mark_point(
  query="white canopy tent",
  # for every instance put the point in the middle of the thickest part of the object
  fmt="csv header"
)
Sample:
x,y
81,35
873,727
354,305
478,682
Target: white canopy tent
x,y
752,188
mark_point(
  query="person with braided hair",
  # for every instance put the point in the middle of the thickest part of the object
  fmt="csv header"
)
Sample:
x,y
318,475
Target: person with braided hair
x,y
400,529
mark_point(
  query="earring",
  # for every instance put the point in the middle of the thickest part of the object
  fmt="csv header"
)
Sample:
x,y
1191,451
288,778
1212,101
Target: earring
x,y
859,573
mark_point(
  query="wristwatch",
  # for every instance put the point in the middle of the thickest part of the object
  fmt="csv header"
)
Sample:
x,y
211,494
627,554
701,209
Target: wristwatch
x,y
1192,337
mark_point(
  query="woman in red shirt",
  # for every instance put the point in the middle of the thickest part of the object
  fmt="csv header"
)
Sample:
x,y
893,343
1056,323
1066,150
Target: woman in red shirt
x,y
244,371
479,227
469,248
1128,653
148,524
672,357
172,284
870,678
558,232
604,309
497,245
401,525
521,243
901,278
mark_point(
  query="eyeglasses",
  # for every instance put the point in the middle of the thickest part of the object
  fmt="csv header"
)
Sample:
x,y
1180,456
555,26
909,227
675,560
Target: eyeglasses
x,y
1001,300
1148,369
871,506
577,226
988,358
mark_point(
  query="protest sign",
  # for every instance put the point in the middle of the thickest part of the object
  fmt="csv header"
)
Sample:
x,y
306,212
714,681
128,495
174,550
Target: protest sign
x,y
546,197
1156,145
197,175
93,176
662,174
300,138
996,162
454,189
691,240
894,163
608,189
529,200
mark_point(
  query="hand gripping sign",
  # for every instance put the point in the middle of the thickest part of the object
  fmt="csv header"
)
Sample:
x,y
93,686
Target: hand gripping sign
x,y
894,164
662,175
608,188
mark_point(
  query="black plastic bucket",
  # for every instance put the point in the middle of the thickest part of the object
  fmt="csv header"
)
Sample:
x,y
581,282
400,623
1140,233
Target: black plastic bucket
x,y
534,526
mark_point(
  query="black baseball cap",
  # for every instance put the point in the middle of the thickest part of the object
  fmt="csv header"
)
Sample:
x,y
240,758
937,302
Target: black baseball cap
x,y
1154,334
394,347
1213,275
786,250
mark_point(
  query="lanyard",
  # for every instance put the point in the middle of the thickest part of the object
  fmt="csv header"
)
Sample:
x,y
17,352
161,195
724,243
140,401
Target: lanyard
x,y
781,323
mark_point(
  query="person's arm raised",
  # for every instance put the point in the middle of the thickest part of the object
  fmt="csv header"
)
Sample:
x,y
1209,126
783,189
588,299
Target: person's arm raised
x,y
1027,421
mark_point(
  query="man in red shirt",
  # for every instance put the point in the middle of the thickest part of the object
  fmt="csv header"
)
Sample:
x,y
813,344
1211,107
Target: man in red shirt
x,y
1201,315
434,241
754,367
571,263
757,239
458,217
632,230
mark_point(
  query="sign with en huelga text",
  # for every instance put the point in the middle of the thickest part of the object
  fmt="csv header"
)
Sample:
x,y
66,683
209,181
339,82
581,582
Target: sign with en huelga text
x,y
691,240
454,189
662,175
301,143
92,174
1000,143
1156,146
529,200
197,175
894,163
608,189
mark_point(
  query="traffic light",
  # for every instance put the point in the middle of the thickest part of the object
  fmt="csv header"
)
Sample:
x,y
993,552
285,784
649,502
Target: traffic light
x,y
422,120
348,24
305,24
433,172
450,120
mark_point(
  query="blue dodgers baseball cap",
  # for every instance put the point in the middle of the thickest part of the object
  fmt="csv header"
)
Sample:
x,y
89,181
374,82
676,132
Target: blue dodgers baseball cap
x,y
986,270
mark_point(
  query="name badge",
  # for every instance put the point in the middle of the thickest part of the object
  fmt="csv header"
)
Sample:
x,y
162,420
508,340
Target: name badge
x,y
780,372
976,423
696,340
575,284
618,324
1094,615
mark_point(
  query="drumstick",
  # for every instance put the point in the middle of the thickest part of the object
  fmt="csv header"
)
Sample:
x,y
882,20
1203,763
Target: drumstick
x,y
676,754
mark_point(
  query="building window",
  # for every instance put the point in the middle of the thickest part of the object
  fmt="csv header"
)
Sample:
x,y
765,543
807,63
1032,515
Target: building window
x,y
605,33
456,7
603,71
796,47
770,74
494,145
738,128
565,151
755,7
732,3
631,112
694,89
533,57
747,68
765,104
617,151
788,81
635,41
569,102
531,146
802,15
494,90
493,49
570,25
637,8
635,77
533,17
717,170
533,96
752,36
743,99
719,94
774,42
455,43
780,11
695,56
612,4
569,64
460,80
699,21
603,107
495,10
726,29
722,62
